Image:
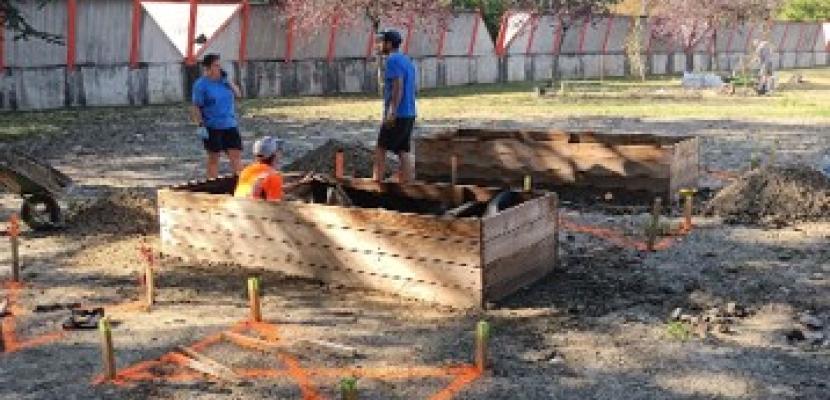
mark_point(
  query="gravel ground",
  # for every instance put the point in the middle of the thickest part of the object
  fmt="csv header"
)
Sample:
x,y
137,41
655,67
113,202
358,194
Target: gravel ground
x,y
597,328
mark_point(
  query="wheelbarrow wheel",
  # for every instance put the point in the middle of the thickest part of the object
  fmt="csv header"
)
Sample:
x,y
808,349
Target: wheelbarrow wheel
x,y
40,212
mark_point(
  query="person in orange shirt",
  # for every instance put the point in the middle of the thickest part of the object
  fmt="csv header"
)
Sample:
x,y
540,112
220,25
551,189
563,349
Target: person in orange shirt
x,y
261,180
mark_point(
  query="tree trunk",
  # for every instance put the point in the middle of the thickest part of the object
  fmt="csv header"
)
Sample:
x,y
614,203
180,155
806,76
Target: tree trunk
x,y
690,59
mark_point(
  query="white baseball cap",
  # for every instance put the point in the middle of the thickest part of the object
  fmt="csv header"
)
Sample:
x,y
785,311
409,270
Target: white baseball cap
x,y
267,146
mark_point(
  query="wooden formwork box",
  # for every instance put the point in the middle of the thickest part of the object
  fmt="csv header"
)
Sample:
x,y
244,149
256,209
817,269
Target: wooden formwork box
x,y
460,262
558,160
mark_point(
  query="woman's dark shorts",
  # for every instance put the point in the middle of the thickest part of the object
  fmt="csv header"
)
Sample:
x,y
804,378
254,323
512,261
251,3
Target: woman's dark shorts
x,y
220,140
397,138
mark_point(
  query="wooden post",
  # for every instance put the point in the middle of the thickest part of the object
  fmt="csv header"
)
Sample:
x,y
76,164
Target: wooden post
x,y
14,232
149,278
253,298
338,164
348,389
150,281
654,226
454,170
107,354
688,207
482,337
528,183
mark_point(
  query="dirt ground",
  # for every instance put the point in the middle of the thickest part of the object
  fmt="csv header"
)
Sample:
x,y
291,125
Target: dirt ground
x,y
598,328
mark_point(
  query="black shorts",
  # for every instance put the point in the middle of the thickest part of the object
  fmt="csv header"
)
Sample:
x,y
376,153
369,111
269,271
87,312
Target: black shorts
x,y
396,138
220,140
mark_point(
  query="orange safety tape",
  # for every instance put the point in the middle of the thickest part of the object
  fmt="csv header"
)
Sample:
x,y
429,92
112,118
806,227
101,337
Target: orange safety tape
x,y
618,238
11,343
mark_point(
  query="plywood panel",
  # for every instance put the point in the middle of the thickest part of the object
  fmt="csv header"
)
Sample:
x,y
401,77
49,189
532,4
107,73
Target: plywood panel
x,y
319,215
441,251
554,158
519,246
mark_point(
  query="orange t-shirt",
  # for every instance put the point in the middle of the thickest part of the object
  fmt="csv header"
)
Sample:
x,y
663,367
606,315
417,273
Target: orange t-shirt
x,y
259,181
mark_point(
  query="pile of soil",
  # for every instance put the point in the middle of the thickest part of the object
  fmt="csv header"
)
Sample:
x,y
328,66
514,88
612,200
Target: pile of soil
x,y
357,159
117,211
774,195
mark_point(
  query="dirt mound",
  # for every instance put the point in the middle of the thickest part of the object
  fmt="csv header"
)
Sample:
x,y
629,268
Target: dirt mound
x,y
117,211
358,159
774,196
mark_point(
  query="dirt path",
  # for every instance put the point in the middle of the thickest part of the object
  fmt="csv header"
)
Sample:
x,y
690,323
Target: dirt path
x,y
595,329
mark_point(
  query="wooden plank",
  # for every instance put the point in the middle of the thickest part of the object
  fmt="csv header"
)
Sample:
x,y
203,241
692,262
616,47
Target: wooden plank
x,y
514,217
335,348
510,242
504,277
222,371
252,343
432,292
200,366
238,230
516,255
252,252
322,215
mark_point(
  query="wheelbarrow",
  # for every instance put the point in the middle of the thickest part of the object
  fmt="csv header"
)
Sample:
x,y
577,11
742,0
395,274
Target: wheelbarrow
x,y
40,186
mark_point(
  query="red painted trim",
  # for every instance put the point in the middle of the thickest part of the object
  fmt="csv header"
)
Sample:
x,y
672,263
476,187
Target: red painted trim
x,y
784,37
190,59
534,25
749,38
519,32
216,34
607,34
818,35
712,43
582,34
729,40
71,25
2,42
370,43
474,37
244,22
557,36
409,25
800,38
135,34
332,39
442,41
650,37
289,40
502,33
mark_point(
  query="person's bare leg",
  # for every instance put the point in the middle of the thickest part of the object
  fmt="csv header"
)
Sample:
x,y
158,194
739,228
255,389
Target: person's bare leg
x,y
212,165
405,172
235,157
379,169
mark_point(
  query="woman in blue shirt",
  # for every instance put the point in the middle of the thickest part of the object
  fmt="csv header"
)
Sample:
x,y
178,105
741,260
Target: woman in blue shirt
x,y
214,112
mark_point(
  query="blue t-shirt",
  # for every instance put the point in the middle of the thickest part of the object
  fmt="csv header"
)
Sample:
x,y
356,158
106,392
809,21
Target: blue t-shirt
x,y
216,101
399,66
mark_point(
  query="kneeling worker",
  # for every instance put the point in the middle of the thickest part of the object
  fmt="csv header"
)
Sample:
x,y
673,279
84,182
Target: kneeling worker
x,y
261,180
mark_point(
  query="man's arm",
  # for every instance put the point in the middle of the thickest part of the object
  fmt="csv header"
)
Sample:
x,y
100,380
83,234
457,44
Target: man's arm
x,y
395,101
235,89
196,115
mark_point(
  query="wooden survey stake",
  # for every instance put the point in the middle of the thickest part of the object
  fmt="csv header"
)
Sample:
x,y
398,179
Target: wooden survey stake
x,y
482,338
253,298
107,353
14,232
338,164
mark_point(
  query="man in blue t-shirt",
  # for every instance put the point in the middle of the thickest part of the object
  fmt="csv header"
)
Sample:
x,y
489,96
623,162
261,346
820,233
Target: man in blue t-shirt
x,y
215,114
398,108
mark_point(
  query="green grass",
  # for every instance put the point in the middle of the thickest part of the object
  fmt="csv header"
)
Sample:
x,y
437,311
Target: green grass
x,y
678,331
511,101
515,101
